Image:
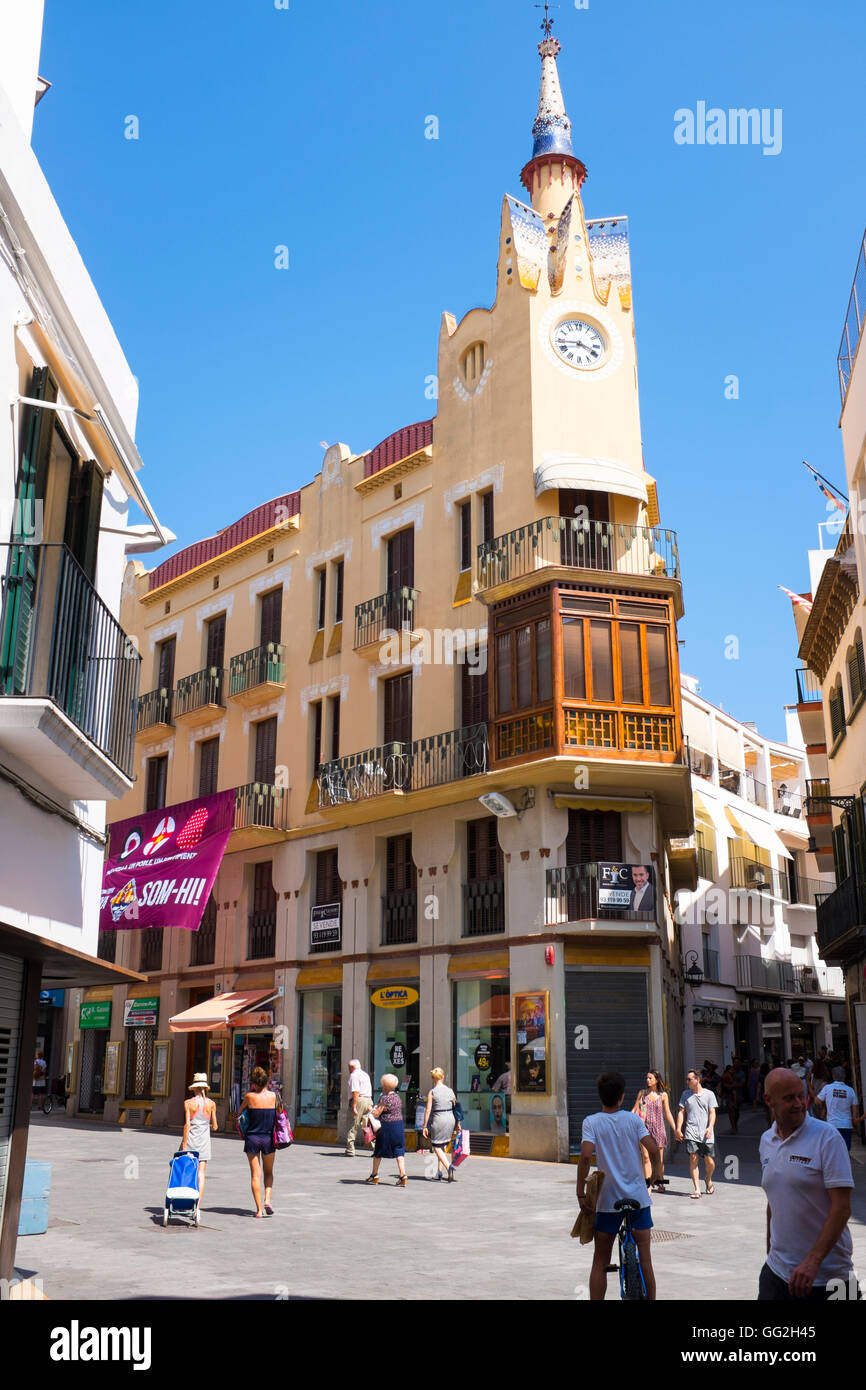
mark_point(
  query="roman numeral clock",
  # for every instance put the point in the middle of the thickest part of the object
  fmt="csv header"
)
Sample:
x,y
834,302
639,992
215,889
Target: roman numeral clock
x,y
581,340
579,343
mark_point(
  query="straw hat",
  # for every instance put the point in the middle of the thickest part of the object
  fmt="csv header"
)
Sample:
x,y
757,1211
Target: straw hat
x,y
200,1079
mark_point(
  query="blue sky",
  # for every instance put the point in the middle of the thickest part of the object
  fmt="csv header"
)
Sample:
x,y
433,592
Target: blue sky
x,y
305,127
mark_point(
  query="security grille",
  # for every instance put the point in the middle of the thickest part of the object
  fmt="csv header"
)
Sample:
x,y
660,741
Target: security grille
x,y
11,987
139,1063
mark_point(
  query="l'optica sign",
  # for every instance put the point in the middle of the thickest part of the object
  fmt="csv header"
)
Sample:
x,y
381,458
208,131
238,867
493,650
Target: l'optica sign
x,y
394,997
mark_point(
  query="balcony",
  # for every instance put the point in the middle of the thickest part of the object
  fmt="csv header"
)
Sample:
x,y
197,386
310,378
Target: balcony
x,y
706,864
572,896
555,546
818,798
601,732
701,763
261,815
787,803
854,321
484,907
808,687
68,677
404,767
841,921
753,972
379,618
257,675
399,918
261,935
153,715
199,697
758,877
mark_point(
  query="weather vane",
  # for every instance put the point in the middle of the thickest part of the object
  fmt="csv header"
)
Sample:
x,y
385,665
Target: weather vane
x,y
547,22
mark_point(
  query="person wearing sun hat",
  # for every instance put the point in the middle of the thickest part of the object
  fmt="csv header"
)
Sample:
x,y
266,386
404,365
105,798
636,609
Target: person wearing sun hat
x,y
200,1118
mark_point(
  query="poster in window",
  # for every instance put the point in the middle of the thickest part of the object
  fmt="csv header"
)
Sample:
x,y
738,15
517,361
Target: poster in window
x,y
111,1082
161,1067
628,887
530,1030
216,1068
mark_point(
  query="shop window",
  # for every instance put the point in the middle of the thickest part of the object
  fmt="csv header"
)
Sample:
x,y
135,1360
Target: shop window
x,y
482,1054
396,1037
320,1033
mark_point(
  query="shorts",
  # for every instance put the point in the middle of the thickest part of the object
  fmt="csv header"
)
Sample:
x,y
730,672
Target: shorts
x,y
773,1289
700,1146
609,1222
846,1135
259,1144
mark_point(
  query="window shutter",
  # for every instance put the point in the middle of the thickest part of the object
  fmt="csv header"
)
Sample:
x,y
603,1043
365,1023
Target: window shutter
x,y
329,887
398,709
264,897
484,856
83,510
474,699
401,560
399,866
271,618
165,676
208,767
157,770
266,751
593,836
216,642
22,576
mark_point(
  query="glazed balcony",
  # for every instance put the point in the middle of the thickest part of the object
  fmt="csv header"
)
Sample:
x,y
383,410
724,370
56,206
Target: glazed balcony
x,y
841,918
261,815
379,618
572,896
642,735
555,546
399,770
808,687
68,676
154,715
258,675
200,697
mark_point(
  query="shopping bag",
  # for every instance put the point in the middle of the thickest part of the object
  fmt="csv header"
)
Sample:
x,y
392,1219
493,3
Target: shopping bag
x,y
369,1136
460,1151
374,1124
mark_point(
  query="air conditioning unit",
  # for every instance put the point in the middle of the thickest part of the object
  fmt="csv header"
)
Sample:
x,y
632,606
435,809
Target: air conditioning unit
x,y
756,876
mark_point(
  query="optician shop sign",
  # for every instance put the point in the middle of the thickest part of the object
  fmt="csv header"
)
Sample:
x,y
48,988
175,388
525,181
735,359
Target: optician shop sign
x,y
394,997
140,1013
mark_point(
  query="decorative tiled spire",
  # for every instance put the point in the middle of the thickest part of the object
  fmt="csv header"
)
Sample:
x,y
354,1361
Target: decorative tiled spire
x,y
551,130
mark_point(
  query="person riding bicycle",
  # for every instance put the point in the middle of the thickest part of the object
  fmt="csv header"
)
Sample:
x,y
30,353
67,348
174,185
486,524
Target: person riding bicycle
x,y
616,1137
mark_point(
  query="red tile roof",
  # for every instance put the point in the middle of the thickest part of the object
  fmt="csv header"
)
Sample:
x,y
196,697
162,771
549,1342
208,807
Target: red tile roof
x,y
398,446
263,518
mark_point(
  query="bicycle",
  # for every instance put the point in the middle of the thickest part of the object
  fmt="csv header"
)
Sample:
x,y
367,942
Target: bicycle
x,y
631,1281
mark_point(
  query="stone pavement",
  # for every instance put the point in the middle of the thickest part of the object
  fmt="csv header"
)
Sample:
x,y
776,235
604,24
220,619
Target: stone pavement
x,y
501,1231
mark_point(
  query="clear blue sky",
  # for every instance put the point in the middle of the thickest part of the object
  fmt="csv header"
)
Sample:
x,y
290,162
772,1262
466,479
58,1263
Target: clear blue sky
x,y
305,127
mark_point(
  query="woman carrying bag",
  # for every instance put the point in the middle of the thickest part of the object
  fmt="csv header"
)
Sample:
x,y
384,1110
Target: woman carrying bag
x,y
260,1108
441,1120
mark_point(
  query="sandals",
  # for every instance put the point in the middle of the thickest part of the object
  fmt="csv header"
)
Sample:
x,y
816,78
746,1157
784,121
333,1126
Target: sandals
x,y
695,1196
710,1187
269,1211
401,1182
371,1181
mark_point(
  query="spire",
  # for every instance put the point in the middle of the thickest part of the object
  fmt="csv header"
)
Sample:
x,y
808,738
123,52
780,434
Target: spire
x,y
551,130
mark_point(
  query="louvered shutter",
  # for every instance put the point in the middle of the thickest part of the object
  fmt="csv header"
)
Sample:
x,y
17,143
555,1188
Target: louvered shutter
x,y
23,569
593,836
83,511
216,642
208,767
474,696
266,751
400,869
401,560
271,618
398,709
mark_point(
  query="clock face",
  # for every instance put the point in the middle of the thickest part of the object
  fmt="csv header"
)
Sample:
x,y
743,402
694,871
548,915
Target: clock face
x,y
579,343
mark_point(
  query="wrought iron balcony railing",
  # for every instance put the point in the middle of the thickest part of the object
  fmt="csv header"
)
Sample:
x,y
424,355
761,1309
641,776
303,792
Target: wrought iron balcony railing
x,y
198,690
484,907
818,797
261,935
787,803
393,611
153,708
706,864
569,542
758,877
399,918
261,806
808,687
572,896
58,641
258,666
407,767
841,920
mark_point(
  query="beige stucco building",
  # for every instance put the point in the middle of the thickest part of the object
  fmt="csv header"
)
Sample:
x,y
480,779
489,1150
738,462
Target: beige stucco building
x,y
485,602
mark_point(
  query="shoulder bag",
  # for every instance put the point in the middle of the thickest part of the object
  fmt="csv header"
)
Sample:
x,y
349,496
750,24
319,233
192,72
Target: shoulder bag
x,y
283,1135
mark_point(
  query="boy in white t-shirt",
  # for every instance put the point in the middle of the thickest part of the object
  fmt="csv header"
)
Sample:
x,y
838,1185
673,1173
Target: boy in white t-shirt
x,y
615,1137
841,1102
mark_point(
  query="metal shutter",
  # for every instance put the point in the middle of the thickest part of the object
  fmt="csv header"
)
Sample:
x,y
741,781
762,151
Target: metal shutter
x,y
11,992
612,1004
709,1044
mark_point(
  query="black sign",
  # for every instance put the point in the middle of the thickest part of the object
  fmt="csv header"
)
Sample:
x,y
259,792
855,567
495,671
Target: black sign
x,y
325,925
482,1056
398,1055
627,888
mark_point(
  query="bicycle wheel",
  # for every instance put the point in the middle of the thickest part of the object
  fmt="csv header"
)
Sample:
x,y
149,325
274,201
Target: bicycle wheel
x,y
633,1286
47,1105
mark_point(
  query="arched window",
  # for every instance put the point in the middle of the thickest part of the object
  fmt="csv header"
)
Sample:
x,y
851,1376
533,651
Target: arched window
x,y
472,364
856,669
837,710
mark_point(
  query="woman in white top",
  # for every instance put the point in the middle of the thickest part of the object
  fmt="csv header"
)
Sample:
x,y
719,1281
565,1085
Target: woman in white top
x,y
440,1121
199,1114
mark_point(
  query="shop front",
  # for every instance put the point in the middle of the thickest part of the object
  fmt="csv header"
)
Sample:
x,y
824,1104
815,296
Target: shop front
x,y
94,1022
481,1074
395,1028
320,1038
49,1031
253,1046
141,1030
233,1033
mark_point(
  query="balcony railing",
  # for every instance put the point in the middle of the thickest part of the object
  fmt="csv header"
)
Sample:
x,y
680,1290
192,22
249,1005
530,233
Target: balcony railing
x,y
399,918
854,321
818,796
393,611
808,687
198,690
755,973
571,543
758,877
587,728
806,892
838,915
261,935
261,806
572,896
706,865
407,767
58,641
753,790
484,907
787,803
153,708
258,666
701,763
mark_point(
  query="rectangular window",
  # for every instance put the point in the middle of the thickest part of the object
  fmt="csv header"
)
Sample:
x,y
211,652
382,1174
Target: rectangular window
x,y
334,704
602,661
658,664
487,516
482,1027
209,752
157,775
464,510
321,597
328,884
399,868
543,662
316,711
320,1075
524,666
401,560
473,696
271,618
397,723
483,855
165,664
503,673
593,836
573,659
630,662
338,591
265,769
215,648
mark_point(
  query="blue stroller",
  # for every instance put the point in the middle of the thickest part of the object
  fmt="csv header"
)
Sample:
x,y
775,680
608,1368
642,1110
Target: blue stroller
x,y
181,1195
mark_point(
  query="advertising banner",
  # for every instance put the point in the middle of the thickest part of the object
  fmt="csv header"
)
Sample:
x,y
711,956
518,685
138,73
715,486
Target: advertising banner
x,y
96,1015
162,865
630,887
141,1013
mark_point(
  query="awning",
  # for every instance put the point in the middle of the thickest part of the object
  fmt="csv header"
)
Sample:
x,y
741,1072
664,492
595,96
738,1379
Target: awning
x,y
592,474
217,1013
702,812
758,831
603,803
717,817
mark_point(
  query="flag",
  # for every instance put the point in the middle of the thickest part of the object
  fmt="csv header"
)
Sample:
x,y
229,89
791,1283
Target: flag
x,y
831,496
796,598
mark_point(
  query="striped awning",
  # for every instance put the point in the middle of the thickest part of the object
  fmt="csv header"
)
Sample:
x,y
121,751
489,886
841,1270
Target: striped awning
x,y
758,831
213,1015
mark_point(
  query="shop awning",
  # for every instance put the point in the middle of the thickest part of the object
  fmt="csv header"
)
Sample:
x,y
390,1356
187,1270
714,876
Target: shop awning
x,y
217,1013
716,813
561,470
603,803
702,812
758,831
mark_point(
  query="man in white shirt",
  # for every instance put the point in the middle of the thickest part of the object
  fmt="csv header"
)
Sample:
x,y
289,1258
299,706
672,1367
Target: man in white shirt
x,y
841,1102
806,1176
698,1107
615,1136
360,1103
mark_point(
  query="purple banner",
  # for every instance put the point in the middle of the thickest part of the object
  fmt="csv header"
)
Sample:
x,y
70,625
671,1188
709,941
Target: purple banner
x,y
162,865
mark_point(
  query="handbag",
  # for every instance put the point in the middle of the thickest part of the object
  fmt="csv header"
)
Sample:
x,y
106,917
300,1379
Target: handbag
x,y
242,1123
374,1124
460,1149
283,1135
369,1135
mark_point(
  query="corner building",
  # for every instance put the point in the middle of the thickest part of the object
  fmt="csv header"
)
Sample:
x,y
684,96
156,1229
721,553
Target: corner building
x,y
486,602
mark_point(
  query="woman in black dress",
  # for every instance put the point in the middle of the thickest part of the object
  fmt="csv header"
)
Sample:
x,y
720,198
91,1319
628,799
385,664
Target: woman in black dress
x,y
390,1136
260,1105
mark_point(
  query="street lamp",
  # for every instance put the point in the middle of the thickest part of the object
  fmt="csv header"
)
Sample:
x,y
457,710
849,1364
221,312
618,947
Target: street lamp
x,y
693,974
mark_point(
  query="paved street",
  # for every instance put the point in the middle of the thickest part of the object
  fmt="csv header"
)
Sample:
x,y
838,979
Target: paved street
x,y
501,1231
